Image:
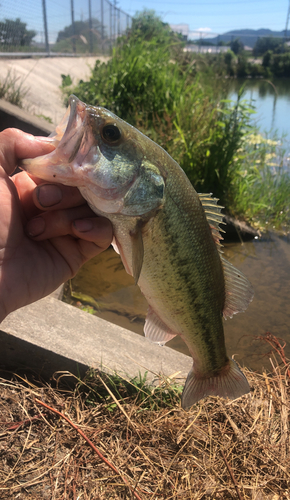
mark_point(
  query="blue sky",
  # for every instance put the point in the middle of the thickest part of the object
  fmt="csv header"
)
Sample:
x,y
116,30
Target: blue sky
x,y
216,16
210,16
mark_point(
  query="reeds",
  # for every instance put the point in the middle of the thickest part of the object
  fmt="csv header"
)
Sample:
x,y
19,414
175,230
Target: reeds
x,y
217,450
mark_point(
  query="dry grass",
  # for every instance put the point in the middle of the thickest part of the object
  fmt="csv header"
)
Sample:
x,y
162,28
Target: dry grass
x,y
218,449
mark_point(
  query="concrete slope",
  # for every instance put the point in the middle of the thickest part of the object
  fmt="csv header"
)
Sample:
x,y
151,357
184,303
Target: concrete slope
x,y
41,79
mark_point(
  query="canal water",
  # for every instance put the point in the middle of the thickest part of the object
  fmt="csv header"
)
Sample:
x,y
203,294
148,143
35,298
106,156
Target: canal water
x,y
271,100
108,290
265,261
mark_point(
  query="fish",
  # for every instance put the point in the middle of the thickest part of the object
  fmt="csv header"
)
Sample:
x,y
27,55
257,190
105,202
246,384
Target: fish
x,y
168,237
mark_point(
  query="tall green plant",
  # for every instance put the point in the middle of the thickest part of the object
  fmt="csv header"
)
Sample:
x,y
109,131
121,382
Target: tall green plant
x,y
139,79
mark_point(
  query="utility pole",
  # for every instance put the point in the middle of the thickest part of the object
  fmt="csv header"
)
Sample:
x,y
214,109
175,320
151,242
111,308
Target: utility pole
x,y
111,30
287,19
90,27
73,26
45,27
102,22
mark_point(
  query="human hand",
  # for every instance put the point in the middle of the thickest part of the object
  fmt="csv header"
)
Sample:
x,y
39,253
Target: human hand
x,y
47,231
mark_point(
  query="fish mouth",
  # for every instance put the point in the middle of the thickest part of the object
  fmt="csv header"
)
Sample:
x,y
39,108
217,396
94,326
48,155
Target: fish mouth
x,y
71,124
72,139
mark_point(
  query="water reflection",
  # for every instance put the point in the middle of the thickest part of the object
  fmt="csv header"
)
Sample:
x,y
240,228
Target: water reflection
x,y
271,99
266,262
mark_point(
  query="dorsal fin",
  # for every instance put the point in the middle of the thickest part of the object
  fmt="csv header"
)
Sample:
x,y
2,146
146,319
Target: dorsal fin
x,y
239,291
213,215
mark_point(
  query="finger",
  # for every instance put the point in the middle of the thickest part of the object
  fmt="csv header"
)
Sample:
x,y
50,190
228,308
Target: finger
x,y
57,196
16,145
37,196
76,251
97,230
25,185
87,242
77,222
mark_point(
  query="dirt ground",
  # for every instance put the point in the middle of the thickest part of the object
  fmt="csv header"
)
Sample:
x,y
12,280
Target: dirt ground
x,y
41,78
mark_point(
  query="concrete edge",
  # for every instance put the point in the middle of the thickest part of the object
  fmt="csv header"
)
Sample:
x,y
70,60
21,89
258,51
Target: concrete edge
x,y
13,116
49,336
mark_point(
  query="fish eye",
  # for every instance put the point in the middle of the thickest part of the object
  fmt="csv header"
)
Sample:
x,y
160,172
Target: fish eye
x,y
111,133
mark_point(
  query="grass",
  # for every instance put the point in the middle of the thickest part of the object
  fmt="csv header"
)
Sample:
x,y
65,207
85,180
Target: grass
x,y
12,90
218,449
261,184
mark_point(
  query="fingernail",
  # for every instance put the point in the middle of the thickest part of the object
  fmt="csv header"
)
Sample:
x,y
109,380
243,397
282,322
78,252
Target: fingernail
x,y
83,225
35,227
48,195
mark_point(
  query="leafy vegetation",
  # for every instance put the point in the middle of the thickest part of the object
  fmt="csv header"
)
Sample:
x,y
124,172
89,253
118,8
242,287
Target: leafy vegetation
x,y
174,99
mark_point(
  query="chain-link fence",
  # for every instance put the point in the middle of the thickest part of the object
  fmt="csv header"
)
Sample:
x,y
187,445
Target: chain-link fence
x,y
61,26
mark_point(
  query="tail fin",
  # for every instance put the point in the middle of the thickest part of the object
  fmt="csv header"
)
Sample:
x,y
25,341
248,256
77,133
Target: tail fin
x,y
229,383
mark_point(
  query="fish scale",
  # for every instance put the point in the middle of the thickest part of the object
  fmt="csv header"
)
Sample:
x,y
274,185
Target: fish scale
x,y
167,235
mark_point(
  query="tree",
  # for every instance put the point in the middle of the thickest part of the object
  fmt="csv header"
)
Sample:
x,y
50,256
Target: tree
x,y
263,44
146,25
81,28
15,33
237,46
83,37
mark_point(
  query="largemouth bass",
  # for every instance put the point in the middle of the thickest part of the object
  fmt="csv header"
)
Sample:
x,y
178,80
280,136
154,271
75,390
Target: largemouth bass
x,y
167,236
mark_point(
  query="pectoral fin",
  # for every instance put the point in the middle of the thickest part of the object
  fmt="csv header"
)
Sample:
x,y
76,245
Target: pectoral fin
x,y
137,252
155,330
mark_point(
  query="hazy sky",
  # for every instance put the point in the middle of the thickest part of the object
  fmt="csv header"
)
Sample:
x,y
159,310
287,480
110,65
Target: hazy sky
x,y
210,16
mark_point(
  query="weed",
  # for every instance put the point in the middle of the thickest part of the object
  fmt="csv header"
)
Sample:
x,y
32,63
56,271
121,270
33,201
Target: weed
x,y
66,80
11,89
163,393
44,117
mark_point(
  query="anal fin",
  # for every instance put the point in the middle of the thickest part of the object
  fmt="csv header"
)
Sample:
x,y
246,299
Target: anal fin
x,y
239,291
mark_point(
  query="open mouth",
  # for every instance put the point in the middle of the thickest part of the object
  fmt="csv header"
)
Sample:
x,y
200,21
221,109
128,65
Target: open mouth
x,y
71,146
72,122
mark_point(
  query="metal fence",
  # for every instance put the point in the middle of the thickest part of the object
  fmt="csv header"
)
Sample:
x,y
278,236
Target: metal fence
x,y
60,26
